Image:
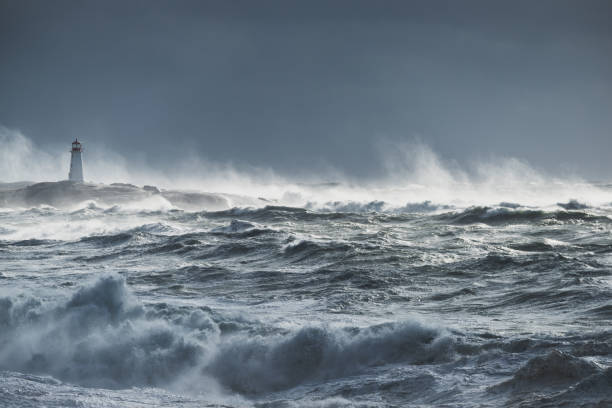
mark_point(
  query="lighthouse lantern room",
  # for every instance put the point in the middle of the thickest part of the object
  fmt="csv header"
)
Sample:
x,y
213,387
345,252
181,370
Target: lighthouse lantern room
x,y
76,164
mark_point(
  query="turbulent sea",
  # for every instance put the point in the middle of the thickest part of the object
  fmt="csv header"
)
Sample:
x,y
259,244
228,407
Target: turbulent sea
x,y
113,301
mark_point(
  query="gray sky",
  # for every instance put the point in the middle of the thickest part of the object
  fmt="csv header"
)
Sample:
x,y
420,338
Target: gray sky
x,y
295,85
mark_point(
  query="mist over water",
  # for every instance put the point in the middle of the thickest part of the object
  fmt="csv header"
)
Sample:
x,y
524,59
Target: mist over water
x,y
413,173
434,284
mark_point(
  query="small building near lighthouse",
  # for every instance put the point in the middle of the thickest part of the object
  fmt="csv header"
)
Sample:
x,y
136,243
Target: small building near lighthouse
x,y
76,164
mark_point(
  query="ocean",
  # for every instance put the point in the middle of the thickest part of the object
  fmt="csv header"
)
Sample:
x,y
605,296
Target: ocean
x,y
121,296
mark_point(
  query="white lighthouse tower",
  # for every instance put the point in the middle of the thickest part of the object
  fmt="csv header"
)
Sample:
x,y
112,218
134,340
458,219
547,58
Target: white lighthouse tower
x,y
76,164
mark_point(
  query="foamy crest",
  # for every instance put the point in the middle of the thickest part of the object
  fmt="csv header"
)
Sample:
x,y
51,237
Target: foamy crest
x,y
102,336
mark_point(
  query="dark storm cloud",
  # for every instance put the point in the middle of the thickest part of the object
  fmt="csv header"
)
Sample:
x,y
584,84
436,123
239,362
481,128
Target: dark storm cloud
x,y
292,85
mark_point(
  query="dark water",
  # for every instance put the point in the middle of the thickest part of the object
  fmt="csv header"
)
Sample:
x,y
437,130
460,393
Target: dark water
x,y
427,305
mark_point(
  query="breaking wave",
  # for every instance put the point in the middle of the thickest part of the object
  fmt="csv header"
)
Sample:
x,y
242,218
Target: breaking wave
x,y
102,336
316,353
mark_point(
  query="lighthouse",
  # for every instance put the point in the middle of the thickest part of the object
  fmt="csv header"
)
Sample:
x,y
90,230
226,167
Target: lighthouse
x,y
76,164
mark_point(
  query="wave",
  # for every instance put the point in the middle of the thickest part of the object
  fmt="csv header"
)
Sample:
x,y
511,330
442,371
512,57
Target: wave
x,y
98,337
269,213
495,261
349,207
141,231
451,295
102,336
305,250
107,240
88,208
559,379
252,366
422,207
504,215
556,369
242,229
592,391
534,246
573,205
377,207
33,242
552,298
235,226
279,214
